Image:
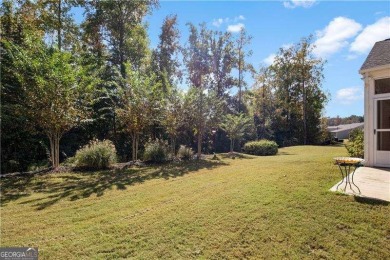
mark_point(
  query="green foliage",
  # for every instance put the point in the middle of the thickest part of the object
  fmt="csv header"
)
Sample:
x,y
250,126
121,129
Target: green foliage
x,y
355,145
185,153
262,147
140,105
235,126
96,155
156,151
297,77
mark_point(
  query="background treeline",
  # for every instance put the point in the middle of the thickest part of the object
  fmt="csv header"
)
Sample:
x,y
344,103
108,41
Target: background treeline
x,y
335,121
64,84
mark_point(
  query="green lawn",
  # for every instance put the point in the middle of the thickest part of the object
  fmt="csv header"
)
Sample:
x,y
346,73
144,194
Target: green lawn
x,y
250,207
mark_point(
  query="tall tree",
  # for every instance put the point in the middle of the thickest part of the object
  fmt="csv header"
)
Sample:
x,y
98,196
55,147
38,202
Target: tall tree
x,y
287,112
309,72
203,110
297,78
53,91
197,60
167,52
19,146
222,62
263,103
119,24
242,54
173,118
197,56
58,22
137,106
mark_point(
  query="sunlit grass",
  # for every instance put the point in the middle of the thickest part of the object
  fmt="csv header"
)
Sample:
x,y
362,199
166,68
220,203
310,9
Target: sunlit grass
x,y
250,207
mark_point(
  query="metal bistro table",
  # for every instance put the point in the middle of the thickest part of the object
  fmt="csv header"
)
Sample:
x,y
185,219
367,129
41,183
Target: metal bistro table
x,y
346,164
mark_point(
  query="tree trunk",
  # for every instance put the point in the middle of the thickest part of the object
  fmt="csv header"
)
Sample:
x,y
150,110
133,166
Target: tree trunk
x,y
200,137
263,115
136,146
59,40
133,146
231,145
304,115
239,81
173,139
54,149
51,150
114,124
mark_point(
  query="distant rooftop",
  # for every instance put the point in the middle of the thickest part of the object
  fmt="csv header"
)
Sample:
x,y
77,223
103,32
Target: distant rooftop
x,y
339,128
379,55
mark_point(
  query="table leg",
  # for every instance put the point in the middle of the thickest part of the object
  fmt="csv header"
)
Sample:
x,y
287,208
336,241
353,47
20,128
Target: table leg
x,y
353,173
345,174
342,176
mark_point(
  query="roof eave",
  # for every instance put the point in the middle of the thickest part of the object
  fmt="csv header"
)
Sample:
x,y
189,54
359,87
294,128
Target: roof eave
x,y
387,66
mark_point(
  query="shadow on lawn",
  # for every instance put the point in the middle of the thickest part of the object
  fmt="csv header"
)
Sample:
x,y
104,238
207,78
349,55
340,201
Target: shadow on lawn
x,y
373,202
236,156
84,184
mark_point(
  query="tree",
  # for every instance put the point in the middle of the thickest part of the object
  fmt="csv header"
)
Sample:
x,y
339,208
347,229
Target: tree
x,y
19,146
166,53
197,56
53,91
137,107
203,110
58,23
119,25
286,123
309,72
242,66
297,79
173,118
263,103
222,62
235,126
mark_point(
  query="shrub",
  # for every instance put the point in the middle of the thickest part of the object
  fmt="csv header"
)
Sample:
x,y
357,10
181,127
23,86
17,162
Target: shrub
x,y
355,144
96,155
156,151
185,153
262,147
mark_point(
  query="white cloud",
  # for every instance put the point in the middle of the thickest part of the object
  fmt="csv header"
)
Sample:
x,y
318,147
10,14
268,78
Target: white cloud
x,y
287,46
238,18
270,59
234,28
351,57
372,33
347,96
335,35
298,3
218,22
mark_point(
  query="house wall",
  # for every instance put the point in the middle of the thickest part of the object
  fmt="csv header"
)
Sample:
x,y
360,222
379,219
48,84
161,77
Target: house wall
x,y
369,77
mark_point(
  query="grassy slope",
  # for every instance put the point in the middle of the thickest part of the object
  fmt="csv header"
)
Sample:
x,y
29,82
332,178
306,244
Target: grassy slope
x,y
259,207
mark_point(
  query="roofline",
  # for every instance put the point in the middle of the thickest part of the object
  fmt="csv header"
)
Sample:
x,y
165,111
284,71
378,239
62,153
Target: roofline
x,y
387,66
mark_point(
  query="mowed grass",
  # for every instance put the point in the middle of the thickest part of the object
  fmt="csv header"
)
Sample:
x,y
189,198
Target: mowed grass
x,y
250,207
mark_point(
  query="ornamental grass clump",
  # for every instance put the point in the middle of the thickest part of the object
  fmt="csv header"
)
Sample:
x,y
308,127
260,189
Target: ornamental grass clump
x,y
96,155
262,147
156,151
185,153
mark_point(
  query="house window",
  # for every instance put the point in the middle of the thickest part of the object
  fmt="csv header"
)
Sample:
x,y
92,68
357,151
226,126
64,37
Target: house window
x,y
382,86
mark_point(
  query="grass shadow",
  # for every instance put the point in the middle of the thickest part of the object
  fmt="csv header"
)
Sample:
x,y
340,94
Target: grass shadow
x,y
285,153
75,186
371,201
236,156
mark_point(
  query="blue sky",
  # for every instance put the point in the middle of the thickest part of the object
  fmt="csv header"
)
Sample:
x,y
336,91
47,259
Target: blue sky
x,y
344,33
